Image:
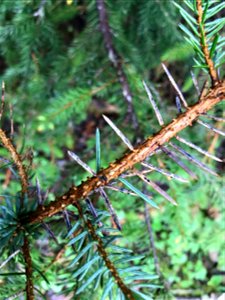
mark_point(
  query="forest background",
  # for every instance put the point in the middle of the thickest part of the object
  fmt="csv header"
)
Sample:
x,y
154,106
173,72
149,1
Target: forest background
x,y
60,81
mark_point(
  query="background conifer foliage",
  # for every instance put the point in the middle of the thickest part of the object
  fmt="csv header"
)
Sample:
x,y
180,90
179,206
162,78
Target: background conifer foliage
x,y
112,149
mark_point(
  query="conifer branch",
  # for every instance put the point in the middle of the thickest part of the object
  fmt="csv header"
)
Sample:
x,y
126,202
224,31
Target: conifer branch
x,y
18,215
17,160
204,45
102,252
140,153
116,60
28,270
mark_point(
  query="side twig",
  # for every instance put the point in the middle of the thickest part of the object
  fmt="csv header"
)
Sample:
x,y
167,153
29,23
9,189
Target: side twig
x,y
205,49
17,160
102,252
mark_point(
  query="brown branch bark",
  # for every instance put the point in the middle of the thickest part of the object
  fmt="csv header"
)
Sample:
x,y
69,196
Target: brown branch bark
x,y
140,153
115,59
28,270
17,160
205,49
